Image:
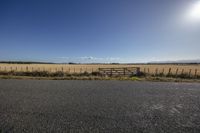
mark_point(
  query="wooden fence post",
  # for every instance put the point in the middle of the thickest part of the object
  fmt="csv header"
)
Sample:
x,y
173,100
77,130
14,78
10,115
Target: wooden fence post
x,y
124,72
182,71
190,72
195,73
163,71
144,70
169,72
176,71
148,70
156,71
138,71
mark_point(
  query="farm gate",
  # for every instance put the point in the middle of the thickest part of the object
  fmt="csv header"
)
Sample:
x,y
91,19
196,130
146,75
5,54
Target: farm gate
x,y
125,71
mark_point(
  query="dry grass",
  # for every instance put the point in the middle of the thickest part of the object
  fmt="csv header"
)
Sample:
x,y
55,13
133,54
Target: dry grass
x,y
79,68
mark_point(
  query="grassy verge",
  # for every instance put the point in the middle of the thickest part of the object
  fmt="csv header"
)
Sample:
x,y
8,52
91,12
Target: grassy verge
x,y
44,75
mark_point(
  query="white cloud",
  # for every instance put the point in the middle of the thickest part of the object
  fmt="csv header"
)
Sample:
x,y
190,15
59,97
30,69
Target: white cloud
x,y
90,59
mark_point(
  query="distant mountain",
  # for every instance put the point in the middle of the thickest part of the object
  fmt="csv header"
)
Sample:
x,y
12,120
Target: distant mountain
x,y
25,62
197,61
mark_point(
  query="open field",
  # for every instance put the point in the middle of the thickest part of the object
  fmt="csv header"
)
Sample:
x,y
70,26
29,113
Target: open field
x,y
80,68
99,106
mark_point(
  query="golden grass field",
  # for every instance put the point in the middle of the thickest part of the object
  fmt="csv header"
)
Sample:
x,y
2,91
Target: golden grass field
x,y
77,68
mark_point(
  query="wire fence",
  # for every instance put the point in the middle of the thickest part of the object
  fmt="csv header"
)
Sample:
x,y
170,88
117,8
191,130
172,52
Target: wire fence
x,y
193,72
174,71
49,69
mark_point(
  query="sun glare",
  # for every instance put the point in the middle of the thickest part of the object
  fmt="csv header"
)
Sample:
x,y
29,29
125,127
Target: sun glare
x,y
194,12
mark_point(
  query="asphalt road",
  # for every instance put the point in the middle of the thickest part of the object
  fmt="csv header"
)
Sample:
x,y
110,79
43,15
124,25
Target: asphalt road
x,y
99,106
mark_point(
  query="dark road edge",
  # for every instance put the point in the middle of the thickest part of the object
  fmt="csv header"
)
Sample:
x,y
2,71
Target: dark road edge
x,y
152,79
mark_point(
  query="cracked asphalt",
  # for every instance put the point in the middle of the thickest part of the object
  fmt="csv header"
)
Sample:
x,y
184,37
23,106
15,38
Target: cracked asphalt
x,y
57,106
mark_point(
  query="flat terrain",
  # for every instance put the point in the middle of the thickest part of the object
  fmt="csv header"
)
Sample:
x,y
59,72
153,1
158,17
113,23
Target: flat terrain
x,y
79,68
99,106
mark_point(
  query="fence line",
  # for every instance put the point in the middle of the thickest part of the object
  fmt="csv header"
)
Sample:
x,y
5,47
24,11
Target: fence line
x,y
147,70
170,71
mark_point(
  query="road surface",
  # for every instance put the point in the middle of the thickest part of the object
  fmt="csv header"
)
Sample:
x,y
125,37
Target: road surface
x,y
99,106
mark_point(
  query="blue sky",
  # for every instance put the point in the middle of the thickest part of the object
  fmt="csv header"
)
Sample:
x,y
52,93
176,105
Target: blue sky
x,y
99,30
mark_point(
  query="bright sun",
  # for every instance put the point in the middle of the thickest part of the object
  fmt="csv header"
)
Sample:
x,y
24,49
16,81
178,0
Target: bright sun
x,y
194,12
